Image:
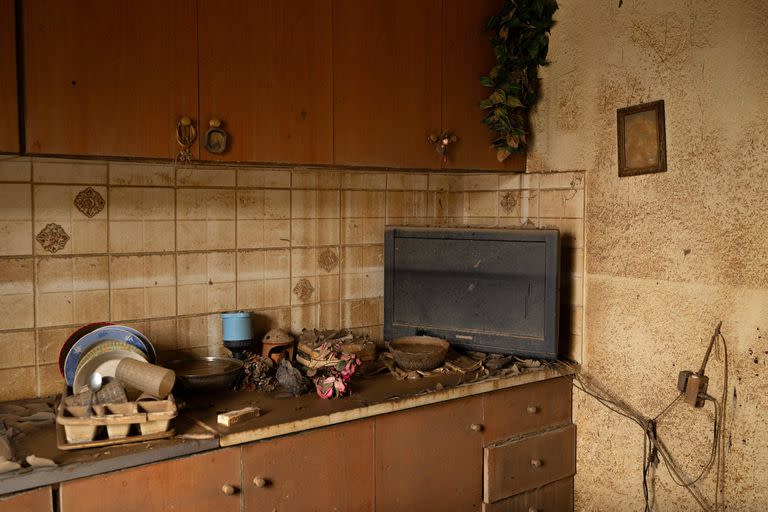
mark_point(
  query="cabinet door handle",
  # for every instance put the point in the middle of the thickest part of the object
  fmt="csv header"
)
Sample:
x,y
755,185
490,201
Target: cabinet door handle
x,y
476,427
536,463
260,482
229,490
532,409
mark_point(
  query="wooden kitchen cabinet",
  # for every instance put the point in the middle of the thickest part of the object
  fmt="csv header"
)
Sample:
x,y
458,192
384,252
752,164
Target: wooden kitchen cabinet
x,y
266,73
386,73
191,483
108,78
36,500
324,469
430,458
468,55
9,120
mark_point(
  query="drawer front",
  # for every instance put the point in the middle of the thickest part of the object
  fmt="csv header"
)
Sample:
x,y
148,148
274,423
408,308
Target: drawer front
x,y
528,463
526,409
555,497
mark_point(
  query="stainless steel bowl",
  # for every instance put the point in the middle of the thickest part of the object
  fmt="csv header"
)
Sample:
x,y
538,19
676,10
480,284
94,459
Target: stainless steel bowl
x,y
206,373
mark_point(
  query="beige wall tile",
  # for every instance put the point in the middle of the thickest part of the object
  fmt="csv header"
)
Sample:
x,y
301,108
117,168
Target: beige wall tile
x,y
250,204
363,203
363,231
481,204
141,174
206,282
17,349
444,204
406,205
362,313
447,182
328,232
407,181
250,234
303,262
328,288
18,383
69,171
277,233
316,179
277,292
304,232
199,331
15,168
562,180
143,286
329,315
15,219
56,204
264,178
478,182
562,204
363,180
304,317
141,220
303,204
72,290
16,293
49,380
267,319
205,177
49,343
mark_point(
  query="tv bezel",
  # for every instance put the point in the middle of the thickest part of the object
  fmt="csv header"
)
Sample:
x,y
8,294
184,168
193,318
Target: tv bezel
x,y
547,347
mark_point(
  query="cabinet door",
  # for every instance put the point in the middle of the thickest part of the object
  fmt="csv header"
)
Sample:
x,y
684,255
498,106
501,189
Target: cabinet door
x,y
430,458
386,82
108,78
191,483
266,73
9,120
37,500
466,57
326,469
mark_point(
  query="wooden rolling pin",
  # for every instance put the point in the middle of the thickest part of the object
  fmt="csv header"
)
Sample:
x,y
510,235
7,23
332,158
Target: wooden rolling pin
x,y
149,378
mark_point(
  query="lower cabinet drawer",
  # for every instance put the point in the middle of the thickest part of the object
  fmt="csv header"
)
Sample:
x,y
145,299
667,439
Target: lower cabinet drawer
x,y
554,497
527,463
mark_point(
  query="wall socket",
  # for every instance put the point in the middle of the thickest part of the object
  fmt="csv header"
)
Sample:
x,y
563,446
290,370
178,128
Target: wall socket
x,y
694,386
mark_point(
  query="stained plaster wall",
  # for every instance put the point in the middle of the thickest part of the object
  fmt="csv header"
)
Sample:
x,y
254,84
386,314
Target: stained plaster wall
x,y
668,254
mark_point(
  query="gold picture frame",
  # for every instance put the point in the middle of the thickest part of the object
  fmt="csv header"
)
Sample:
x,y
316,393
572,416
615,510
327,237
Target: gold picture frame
x,y
642,140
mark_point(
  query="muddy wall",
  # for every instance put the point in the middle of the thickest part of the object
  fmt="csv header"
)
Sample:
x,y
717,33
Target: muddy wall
x,y
667,255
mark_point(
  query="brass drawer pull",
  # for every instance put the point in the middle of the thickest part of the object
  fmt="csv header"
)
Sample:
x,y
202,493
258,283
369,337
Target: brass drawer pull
x,y
532,409
260,482
476,427
229,490
536,463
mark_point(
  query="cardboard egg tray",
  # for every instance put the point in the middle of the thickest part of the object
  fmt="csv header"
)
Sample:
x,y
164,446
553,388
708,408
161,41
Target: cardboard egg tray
x,y
86,426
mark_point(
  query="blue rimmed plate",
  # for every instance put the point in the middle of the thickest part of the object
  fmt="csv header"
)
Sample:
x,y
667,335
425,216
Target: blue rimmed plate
x,y
110,332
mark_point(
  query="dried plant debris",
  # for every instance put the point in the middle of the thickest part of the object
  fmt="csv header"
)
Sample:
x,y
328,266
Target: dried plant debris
x,y
259,373
39,462
7,465
292,379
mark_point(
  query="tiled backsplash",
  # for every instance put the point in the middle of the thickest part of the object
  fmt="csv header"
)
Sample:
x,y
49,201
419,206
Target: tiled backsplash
x,y
165,249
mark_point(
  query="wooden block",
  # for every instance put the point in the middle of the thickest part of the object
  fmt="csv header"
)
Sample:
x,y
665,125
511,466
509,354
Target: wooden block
x,y
233,417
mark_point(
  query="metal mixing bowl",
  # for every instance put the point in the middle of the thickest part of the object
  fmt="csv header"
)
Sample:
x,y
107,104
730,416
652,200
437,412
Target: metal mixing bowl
x,y
206,373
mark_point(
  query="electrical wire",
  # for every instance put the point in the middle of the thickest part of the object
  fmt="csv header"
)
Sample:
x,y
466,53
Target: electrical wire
x,y
654,449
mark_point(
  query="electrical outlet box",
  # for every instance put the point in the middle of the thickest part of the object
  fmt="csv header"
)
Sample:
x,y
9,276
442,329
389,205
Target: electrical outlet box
x,y
694,386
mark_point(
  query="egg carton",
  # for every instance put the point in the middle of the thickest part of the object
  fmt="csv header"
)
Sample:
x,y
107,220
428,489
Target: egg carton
x,y
101,425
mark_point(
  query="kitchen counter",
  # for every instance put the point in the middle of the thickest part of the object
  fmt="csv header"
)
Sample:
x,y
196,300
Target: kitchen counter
x,y
280,415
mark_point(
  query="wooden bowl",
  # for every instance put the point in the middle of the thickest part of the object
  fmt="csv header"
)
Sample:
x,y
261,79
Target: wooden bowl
x,y
418,352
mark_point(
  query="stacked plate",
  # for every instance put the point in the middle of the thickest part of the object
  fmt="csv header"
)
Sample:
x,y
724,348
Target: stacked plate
x,y
99,348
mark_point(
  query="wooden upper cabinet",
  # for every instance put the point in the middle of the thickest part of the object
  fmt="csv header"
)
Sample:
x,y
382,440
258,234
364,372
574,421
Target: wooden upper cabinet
x,y
210,481
387,56
467,56
266,74
108,78
9,118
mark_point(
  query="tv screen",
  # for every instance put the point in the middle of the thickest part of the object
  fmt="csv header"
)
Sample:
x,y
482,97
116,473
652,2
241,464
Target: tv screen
x,y
491,290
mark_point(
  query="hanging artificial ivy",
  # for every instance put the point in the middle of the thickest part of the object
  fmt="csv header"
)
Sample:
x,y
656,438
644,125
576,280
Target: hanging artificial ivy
x,y
520,41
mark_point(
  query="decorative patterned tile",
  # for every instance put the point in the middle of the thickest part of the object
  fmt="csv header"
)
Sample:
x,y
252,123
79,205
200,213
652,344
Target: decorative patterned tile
x,y
89,202
52,238
55,204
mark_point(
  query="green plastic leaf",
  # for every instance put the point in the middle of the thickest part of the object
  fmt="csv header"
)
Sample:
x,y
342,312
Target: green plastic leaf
x,y
502,154
486,82
513,102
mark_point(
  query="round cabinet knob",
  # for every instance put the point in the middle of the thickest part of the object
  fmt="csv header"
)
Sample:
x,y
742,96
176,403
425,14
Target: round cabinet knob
x,y
229,490
532,409
214,123
476,427
536,463
533,509
260,482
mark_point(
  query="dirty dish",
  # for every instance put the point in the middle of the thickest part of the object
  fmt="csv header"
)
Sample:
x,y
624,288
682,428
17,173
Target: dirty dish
x,y
206,372
418,352
67,346
105,364
110,332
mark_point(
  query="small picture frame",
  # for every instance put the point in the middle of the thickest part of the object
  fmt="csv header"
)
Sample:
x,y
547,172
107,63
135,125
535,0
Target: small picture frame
x,y
642,139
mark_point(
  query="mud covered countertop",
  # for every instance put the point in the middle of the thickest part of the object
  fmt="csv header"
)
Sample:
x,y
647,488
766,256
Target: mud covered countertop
x,y
197,430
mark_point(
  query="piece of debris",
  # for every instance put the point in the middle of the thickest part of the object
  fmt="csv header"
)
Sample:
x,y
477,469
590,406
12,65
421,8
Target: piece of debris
x,y
258,373
41,417
7,465
291,378
197,437
6,449
233,417
39,462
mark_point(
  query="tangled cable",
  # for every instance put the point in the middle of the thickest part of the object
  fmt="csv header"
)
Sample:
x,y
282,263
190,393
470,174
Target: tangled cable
x,y
654,448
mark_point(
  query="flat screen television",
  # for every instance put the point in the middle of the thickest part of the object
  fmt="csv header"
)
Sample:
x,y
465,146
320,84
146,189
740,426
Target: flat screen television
x,y
490,290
